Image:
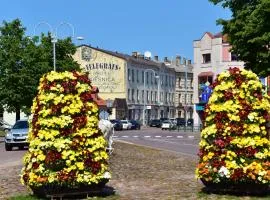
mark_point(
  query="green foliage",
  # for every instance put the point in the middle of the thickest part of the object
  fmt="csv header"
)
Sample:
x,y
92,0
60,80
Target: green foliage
x,y
24,60
248,32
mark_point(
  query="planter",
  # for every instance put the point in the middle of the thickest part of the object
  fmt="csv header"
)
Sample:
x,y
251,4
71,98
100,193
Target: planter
x,y
60,191
236,188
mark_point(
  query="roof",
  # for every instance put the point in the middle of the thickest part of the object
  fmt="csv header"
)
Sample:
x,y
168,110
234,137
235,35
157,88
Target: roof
x,y
209,73
128,58
217,35
99,101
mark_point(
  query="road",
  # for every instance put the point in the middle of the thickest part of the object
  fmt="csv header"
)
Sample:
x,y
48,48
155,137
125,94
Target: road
x,y
180,142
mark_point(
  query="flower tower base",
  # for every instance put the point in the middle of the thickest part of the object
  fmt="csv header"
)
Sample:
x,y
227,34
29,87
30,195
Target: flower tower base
x,y
67,150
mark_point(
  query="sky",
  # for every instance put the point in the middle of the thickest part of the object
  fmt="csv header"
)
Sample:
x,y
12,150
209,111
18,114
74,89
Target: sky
x,y
163,27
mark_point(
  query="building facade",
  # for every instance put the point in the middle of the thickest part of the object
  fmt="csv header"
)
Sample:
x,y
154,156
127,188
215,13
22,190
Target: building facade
x,y
184,89
211,57
135,86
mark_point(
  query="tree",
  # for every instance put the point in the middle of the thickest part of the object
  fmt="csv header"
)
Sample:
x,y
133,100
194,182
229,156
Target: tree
x,y
248,32
23,61
234,146
67,149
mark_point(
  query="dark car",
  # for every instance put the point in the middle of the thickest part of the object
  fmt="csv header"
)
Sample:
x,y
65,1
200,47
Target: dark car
x,y
135,124
155,123
117,124
190,122
180,121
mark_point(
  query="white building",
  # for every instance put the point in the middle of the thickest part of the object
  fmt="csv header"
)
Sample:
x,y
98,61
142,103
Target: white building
x,y
211,57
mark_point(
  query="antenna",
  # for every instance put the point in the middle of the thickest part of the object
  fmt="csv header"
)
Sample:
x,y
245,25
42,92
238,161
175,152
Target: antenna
x,y
147,54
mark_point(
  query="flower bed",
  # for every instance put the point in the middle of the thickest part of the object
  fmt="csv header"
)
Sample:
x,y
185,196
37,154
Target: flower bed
x,y
67,150
235,147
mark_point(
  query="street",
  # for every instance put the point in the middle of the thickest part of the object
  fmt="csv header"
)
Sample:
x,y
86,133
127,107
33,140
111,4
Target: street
x,y
180,142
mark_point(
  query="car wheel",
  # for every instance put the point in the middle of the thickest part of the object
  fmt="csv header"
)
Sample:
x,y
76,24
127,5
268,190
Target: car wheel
x,y
21,147
8,147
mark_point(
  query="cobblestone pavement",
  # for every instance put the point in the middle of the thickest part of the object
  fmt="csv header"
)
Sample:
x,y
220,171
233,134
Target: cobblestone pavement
x,y
137,173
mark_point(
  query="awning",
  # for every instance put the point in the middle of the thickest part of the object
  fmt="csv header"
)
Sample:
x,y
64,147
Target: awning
x,y
205,74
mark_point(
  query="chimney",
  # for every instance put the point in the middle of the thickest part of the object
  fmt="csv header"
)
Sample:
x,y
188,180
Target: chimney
x,y
155,58
178,60
166,59
141,56
189,62
135,54
184,61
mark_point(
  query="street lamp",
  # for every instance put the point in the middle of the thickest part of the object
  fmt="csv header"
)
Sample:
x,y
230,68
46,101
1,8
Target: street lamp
x,y
157,77
54,37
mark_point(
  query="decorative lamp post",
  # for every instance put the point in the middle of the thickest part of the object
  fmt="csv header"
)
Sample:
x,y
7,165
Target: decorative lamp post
x,y
54,37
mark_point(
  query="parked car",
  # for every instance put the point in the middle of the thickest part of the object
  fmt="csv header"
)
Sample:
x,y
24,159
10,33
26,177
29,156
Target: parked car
x,y
4,126
17,136
117,124
163,119
180,121
135,124
155,123
190,122
167,124
126,124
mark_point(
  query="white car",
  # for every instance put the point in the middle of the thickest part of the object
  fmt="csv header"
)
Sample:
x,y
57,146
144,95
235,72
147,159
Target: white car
x,y
126,124
167,124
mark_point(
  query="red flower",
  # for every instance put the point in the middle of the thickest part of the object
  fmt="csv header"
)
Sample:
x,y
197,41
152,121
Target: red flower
x,y
52,156
237,174
35,165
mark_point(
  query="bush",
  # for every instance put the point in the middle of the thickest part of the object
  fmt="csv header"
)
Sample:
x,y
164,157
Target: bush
x,y
234,146
66,147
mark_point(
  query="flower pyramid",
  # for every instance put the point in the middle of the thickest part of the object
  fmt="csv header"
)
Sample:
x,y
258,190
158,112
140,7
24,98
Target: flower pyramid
x,y
66,147
235,146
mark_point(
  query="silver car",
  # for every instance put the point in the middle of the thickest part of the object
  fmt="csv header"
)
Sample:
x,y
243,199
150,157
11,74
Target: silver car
x,y
4,126
17,136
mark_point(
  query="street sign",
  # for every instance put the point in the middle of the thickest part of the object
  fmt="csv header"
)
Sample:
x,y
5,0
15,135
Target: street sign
x,y
148,107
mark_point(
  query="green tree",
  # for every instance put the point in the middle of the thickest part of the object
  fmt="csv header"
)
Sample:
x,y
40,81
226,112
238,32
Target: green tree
x,y
248,32
24,60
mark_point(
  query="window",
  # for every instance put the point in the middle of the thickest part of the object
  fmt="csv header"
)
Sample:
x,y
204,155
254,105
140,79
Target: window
x,y
234,57
132,93
129,78
147,78
142,76
206,58
128,94
179,82
137,76
132,74
151,96
156,96
138,96
147,94
143,96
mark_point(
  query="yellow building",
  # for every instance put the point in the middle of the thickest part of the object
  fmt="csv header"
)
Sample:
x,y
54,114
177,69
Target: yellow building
x,y
131,83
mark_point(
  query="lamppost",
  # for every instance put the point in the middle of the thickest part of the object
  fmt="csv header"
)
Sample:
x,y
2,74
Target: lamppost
x,y
54,37
157,77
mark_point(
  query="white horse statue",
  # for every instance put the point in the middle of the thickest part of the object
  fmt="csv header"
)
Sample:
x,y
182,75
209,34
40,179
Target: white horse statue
x,y
107,129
